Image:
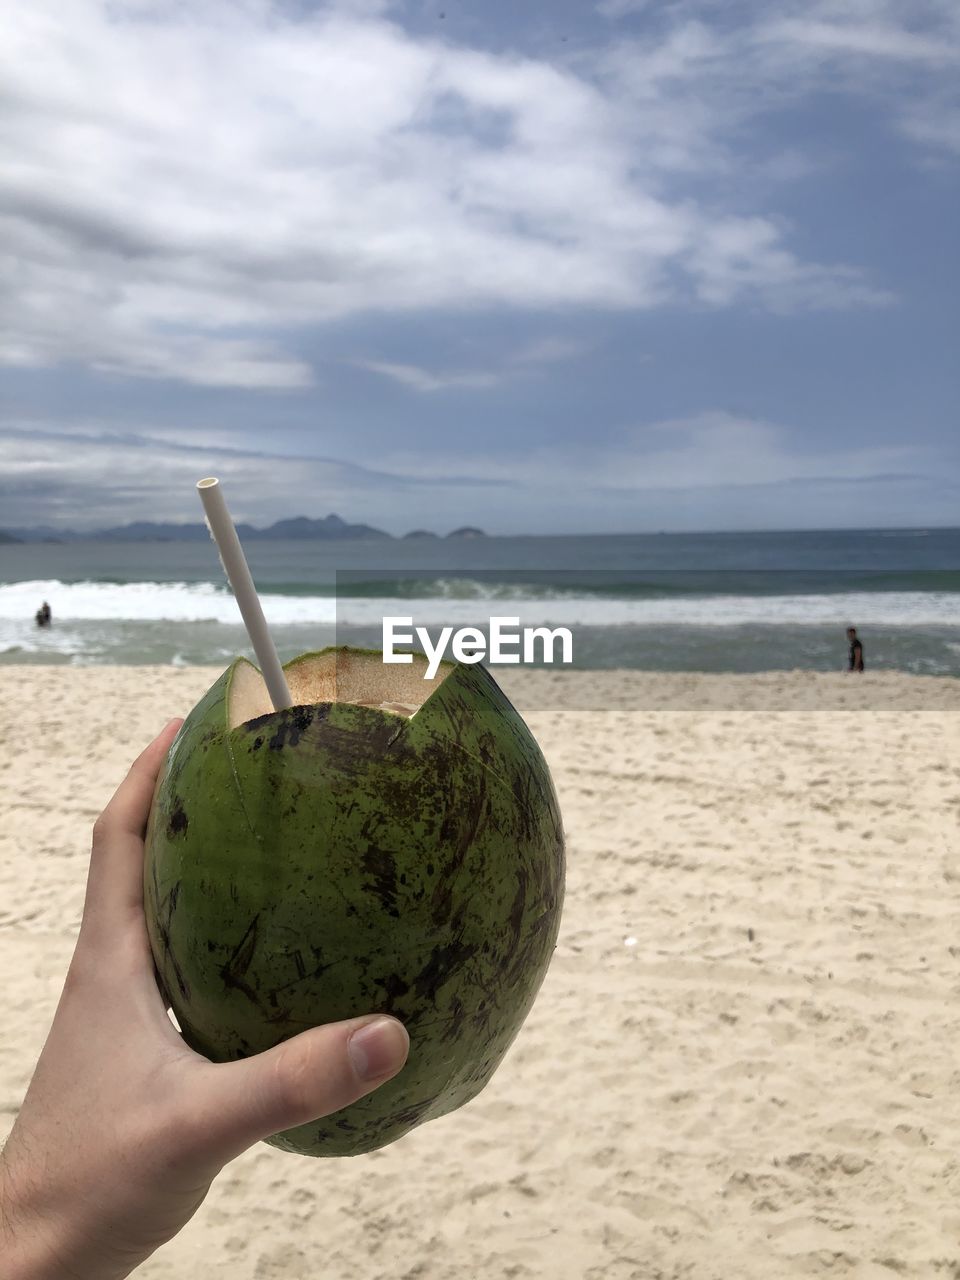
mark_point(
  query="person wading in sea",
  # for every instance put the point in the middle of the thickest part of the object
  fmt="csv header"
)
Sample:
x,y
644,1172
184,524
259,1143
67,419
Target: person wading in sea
x,y
856,650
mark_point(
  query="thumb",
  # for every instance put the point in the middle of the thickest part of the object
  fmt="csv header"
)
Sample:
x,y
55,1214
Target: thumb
x,y
309,1076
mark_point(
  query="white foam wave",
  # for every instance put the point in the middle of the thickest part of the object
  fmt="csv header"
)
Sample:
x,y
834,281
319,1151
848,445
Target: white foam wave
x,y
149,602
139,602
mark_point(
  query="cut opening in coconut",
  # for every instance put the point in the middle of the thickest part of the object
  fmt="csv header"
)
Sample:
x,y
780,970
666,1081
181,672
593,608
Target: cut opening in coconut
x,y
335,676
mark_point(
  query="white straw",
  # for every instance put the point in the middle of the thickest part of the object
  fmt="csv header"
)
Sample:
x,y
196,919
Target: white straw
x,y
238,572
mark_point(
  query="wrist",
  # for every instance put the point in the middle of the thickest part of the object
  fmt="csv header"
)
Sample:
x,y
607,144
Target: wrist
x,y
12,1250
26,1246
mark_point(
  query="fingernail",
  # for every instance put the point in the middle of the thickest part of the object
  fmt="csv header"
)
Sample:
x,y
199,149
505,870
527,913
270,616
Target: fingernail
x,y
379,1048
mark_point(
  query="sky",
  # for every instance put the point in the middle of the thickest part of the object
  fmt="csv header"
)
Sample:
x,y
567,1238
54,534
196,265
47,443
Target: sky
x,y
556,266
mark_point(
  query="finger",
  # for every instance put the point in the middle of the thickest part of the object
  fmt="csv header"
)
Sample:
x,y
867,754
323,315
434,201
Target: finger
x,y
115,879
127,812
310,1076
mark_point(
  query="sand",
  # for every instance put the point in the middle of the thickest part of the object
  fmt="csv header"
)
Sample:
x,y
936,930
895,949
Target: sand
x,y
744,1060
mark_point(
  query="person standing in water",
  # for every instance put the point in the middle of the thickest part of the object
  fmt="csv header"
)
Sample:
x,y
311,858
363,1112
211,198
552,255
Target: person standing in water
x,y
856,650
43,615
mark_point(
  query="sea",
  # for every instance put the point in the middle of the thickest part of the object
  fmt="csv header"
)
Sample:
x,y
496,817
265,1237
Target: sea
x,y
714,602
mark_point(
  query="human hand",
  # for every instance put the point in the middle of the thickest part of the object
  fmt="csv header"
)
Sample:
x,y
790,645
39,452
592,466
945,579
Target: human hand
x,y
124,1127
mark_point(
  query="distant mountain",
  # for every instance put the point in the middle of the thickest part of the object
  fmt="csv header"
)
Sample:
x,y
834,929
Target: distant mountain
x,y
150,531
298,527
301,528
44,533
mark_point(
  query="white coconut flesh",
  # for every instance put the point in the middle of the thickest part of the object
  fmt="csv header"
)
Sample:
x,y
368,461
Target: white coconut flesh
x,y
361,678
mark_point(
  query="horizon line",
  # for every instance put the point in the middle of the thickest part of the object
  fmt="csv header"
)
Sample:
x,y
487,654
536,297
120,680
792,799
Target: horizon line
x,y
91,534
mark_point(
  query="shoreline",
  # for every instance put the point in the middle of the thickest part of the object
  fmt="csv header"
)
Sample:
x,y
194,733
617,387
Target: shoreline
x,y
539,689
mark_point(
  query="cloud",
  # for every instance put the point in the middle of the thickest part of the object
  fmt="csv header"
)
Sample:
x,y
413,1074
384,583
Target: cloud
x,y
183,186
84,479
626,8
526,359
935,124
713,469
716,449
418,379
872,37
709,450
549,350
721,69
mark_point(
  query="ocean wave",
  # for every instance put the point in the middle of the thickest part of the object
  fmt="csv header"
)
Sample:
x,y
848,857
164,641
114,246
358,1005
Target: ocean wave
x,y
205,602
150,602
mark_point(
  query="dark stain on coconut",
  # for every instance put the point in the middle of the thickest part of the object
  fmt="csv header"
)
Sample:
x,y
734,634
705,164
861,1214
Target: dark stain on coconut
x,y
169,906
380,866
181,980
443,963
473,819
481,1020
441,903
177,822
162,986
295,722
517,907
234,971
395,989
412,1115
287,726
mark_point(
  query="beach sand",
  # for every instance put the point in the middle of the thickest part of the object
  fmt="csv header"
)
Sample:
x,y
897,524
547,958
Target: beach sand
x,y
744,1060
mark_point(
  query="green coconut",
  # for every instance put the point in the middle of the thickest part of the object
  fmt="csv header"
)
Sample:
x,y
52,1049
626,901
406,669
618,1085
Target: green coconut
x,y
389,844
